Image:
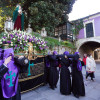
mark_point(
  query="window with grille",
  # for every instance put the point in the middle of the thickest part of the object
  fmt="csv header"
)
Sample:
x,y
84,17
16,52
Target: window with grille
x,y
89,30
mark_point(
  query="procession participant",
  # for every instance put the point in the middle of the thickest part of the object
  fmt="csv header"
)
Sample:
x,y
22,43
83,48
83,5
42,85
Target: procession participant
x,y
65,80
53,73
9,81
46,69
3,70
78,88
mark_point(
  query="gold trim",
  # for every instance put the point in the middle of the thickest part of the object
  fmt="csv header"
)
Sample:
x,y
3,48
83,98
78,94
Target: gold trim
x,y
32,77
37,56
32,88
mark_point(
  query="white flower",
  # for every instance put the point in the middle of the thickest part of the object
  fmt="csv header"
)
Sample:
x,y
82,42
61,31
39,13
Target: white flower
x,y
8,35
43,45
27,37
16,36
11,44
31,36
3,39
19,31
22,36
0,42
20,42
13,38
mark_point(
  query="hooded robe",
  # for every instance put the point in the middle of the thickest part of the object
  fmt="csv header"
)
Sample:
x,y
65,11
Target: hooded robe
x,y
53,72
65,80
9,81
78,88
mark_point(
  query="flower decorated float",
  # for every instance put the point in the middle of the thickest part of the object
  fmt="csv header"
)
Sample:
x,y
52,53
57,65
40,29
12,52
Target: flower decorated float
x,y
19,41
33,48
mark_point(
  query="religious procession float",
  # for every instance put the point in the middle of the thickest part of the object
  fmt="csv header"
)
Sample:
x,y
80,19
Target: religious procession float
x,y
34,49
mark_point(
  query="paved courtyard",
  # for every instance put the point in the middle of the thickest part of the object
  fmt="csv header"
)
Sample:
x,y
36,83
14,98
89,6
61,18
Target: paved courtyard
x,y
45,93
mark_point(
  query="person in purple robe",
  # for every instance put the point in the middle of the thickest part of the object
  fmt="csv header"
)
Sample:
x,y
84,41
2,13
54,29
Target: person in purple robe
x,y
78,88
53,72
9,80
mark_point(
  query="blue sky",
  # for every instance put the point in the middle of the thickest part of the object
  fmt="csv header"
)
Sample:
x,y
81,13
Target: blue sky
x,y
82,8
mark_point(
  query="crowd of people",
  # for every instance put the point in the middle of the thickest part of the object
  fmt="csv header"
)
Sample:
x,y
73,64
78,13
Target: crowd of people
x,y
68,85
11,66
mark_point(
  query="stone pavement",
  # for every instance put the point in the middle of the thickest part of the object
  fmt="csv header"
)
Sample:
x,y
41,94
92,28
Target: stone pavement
x,y
45,93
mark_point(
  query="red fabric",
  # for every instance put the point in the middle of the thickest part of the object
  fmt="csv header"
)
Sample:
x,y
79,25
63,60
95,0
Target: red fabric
x,y
59,65
17,24
84,60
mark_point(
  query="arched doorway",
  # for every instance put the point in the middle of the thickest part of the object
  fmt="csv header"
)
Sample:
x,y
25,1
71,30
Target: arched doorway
x,y
89,47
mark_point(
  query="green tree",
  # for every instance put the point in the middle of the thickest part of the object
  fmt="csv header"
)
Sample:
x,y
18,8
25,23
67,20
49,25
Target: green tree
x,y
77,26
40,13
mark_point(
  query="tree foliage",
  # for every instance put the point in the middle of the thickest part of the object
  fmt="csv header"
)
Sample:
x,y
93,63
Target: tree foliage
x,y
77,26
2,19
40,13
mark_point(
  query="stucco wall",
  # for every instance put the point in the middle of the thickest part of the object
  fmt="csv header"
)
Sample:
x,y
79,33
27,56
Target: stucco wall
x,y
81,34
61,49
96,28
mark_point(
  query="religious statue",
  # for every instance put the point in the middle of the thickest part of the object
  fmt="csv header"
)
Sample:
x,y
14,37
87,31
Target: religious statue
x,y
8,25
30,51
43,32
29,29
18,18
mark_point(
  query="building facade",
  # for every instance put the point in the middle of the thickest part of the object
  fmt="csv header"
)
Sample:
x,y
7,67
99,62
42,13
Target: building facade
x,y
89,36
91,27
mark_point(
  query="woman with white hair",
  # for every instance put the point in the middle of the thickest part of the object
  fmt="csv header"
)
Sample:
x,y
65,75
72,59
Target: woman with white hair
x,y
18,18
90,66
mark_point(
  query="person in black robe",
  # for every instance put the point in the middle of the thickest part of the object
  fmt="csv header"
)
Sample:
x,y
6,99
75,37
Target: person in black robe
x,y
65,80
53,72
46,69
78,88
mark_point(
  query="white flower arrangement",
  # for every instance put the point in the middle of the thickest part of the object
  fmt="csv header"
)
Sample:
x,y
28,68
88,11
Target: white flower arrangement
x,y
19,39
